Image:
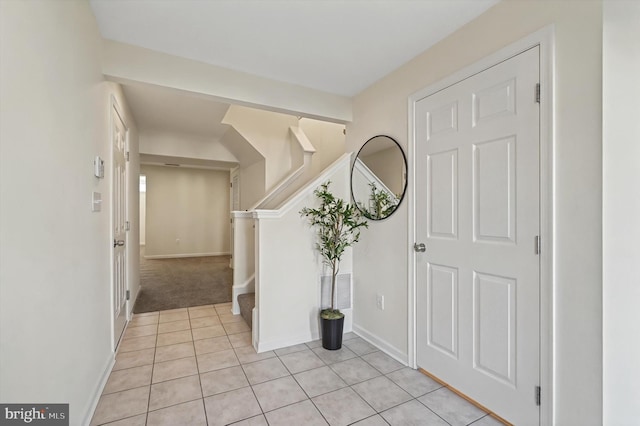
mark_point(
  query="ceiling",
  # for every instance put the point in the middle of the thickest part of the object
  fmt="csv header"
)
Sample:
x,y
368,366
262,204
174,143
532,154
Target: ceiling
x,y
336,46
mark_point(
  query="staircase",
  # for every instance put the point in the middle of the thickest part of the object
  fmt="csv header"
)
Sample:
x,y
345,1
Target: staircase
x,y
247,302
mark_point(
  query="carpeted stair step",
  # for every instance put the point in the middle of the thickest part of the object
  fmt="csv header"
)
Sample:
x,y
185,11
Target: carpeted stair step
x,y
247,302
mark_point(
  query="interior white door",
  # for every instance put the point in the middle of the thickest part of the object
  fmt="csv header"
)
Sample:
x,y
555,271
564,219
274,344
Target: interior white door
x,y
119,218
477,211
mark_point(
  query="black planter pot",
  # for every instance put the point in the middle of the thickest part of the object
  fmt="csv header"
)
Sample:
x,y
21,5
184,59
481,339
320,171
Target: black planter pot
x,y
332,333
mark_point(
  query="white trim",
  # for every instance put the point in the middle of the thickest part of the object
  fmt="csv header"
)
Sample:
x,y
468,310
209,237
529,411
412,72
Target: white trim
x,y
301,193
242,214
264,346
114,107
180,255
249,286
545,38
381,344
98,390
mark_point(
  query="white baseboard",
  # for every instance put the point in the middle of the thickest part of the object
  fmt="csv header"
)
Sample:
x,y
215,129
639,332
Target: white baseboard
x,y
98,390
289,341
385,346
178,255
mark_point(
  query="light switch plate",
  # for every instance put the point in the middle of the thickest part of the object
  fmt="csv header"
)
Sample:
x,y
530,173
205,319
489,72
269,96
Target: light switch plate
x,y
96,202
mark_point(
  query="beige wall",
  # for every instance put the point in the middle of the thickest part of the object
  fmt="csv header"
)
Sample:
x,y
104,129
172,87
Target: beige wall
x,y
55,285
388,166
187,211
379,261
327,138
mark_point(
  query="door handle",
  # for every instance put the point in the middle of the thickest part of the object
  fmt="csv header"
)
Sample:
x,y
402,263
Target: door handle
x,y
419,247
118,243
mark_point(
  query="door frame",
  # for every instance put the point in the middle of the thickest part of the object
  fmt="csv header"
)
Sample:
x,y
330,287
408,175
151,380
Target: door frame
x,y
114,109
545,39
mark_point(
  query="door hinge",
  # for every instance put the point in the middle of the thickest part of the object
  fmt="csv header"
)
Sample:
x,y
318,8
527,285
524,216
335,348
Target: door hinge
x,y
127,226
538,93
128,294
537,395
536,242
126,155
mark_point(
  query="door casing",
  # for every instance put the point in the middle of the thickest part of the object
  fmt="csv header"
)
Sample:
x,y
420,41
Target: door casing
x,y
545,39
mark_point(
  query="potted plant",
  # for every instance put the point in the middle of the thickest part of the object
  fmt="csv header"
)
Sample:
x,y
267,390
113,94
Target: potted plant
x,y
338,224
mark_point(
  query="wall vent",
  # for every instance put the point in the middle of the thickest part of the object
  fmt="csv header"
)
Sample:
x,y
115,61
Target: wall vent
x,y
343,289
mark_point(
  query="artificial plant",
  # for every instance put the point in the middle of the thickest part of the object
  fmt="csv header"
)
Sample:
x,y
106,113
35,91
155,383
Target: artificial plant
x,y
338,226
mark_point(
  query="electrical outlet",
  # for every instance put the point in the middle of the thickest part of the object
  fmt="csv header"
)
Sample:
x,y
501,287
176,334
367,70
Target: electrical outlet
x,y
380,302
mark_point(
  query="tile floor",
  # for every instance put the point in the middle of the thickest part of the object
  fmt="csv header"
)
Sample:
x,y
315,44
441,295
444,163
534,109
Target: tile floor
x,y
196,366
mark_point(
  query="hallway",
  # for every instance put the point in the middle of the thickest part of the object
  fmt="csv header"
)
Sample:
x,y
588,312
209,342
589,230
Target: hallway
x,y
196,366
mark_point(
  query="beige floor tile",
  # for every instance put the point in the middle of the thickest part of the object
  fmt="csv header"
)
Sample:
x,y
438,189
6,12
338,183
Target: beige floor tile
x,y
278,393
236,327
133,359
247,354
301,413
199,307
382,394
343,407
186,414
204,321
166,316
301,361
120,405
177,368
168,327
320,380
262,371
174,337
255,421
241,339
217,360
139,321
171,352
230,318
232,406
128,379
224,380
207,332
174,392
143,330
213,344
137,343
139,420
208,311
146,314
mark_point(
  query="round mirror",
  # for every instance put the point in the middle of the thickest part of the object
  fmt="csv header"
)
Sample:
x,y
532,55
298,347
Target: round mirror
x,y
379,177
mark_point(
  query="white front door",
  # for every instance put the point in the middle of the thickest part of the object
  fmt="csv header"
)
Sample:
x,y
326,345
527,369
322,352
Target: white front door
x,y
477,211
119,219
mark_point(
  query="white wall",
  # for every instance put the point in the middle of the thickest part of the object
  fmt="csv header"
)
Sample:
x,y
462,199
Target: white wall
x,y
143,216
123,62
621,212
183,145
268,133
187,211
288,268
327,138
55,289
577,286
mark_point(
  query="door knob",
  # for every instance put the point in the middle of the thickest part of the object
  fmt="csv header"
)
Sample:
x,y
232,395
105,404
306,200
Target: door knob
x,y
419,247
118,243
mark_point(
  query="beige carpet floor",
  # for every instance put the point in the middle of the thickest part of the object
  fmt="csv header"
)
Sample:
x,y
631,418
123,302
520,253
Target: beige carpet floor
x,y
183,282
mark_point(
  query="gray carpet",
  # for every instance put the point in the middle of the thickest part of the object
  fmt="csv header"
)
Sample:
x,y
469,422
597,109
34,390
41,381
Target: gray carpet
x,y
183,282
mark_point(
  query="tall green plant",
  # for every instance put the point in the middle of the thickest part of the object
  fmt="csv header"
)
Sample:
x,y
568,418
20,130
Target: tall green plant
x,y
338,224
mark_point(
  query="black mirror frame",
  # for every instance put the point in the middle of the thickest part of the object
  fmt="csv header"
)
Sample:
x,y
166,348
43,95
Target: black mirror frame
x,y
404,189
